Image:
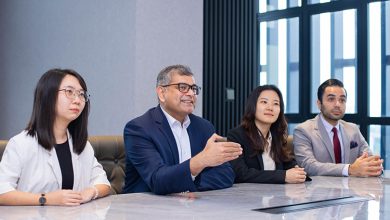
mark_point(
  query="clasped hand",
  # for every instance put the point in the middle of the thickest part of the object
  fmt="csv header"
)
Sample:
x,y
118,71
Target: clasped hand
x,y
366,166
70,197
295,175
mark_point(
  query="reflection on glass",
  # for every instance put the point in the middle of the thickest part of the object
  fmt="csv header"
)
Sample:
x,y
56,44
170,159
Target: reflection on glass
x,y
380,138
272,5
279,59
379,58
373,208
333,53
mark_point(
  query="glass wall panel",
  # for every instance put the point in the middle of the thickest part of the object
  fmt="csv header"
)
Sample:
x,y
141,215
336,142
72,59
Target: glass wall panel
x,y
279,59
379,58
380,139
333,53
291,127
318,1
272,5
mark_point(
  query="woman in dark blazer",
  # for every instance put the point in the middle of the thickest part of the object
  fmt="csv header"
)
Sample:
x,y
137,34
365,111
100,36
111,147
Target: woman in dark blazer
x,y
263,138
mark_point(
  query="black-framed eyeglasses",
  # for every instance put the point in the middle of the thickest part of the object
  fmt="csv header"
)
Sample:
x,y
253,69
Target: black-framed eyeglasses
x,y
71,93
184,87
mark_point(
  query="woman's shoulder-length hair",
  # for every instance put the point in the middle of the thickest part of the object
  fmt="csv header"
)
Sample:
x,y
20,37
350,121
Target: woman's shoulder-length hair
x,y
44,111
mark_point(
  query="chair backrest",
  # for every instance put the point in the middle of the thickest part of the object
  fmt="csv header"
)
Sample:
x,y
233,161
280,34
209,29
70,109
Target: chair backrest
x,y
110,152
3,143
290,142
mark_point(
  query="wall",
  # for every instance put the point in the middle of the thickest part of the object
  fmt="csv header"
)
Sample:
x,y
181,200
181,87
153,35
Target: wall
x,y
118,47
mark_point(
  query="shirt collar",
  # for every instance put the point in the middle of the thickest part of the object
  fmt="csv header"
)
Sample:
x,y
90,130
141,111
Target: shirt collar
x,y
328,126
269,139
172,121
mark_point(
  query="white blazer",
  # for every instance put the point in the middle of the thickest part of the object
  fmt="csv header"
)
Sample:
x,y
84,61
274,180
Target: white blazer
x,y
26,166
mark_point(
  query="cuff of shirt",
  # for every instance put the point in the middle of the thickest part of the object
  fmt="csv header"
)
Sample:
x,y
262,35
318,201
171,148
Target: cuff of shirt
x,y
345,170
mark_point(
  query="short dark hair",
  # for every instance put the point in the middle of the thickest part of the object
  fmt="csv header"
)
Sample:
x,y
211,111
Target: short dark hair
x,y
165,75
279,151
44,111
329,83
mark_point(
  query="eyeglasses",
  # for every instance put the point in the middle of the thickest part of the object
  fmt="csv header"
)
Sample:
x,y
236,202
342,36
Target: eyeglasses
x,y
184,87
71,93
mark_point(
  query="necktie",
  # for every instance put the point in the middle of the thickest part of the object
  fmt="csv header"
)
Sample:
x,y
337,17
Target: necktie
x,y
336,145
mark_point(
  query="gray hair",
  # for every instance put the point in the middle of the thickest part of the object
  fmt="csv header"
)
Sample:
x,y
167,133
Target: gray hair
x,y
165,75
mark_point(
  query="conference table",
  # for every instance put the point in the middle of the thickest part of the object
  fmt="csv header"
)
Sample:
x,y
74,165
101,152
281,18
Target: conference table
x,y
321,198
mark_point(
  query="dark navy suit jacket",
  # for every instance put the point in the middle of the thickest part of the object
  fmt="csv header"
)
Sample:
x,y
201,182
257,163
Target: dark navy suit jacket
x,y
152,159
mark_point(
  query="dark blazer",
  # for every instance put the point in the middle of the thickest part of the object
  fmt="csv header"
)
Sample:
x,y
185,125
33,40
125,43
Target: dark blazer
x,y
249,168
152,159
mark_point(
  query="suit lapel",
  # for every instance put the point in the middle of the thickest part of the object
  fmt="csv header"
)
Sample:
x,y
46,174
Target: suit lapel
x,y
193,141
346,140
245,139
260,160
55,166
259,157
323,135
75,163
163,126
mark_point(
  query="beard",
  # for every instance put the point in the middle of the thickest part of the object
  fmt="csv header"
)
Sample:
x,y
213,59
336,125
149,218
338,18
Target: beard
x,y
330,116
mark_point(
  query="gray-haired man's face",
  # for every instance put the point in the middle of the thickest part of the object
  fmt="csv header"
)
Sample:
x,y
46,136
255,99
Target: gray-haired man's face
x,y
178,104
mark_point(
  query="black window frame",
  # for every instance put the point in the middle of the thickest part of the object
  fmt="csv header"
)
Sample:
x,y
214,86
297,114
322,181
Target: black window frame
x,y
304,13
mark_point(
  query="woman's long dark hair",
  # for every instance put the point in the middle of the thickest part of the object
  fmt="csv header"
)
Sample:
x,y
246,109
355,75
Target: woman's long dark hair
x,y
279,151
44,111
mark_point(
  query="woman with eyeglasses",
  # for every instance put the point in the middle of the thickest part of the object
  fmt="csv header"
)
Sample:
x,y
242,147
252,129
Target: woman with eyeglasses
x,y
263,138
51,162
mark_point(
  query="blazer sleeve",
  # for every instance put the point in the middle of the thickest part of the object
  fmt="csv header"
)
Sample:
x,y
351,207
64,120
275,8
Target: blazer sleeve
x,y
211,178
143,152
246,174
98,175
10,167
290,164
303,149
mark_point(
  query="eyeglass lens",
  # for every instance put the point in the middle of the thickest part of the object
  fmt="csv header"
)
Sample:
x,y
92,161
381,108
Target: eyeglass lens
x,y
72,93
183,87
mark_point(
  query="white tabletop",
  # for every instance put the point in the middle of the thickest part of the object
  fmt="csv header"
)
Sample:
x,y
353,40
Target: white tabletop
x,y
236,202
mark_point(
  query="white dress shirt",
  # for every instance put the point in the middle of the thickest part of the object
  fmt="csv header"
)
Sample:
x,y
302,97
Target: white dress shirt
x,y
268,162
181,136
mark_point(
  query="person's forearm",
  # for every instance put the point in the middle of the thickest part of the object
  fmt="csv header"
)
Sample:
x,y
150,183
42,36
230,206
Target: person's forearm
x,y
19,198
197,164
103,190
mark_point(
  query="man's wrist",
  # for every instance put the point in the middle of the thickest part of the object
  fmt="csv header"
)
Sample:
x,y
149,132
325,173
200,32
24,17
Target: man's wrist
x,y
196,164
346,170
351,170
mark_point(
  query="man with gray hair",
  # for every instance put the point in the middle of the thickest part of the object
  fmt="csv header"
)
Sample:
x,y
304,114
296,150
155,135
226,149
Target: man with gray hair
x,y
170,150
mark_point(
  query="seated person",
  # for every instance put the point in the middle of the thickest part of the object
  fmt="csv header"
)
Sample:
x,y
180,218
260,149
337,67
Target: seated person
x,y
170,150
263,137
329,146
52,162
